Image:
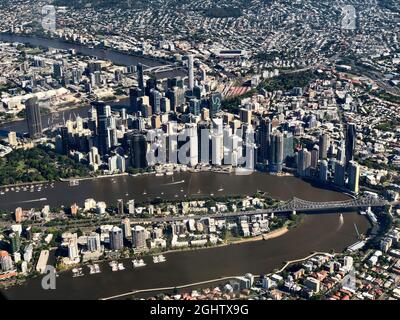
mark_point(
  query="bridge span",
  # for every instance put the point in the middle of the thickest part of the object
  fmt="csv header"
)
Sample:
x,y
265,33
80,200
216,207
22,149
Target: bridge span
x,y
294,205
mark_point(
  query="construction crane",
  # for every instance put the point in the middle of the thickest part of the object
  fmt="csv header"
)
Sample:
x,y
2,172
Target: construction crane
x,y
359,236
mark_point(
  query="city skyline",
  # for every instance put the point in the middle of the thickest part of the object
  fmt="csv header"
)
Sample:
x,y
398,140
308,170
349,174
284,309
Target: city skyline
x,y
200,150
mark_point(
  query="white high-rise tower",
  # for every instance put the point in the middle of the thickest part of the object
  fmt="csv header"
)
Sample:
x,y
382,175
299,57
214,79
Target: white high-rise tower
x,y
191,71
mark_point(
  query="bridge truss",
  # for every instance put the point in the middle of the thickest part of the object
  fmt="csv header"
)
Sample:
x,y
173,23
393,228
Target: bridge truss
x,y
297,204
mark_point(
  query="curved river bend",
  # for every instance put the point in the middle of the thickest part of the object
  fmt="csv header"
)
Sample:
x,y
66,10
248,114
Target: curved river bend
x,y
318,232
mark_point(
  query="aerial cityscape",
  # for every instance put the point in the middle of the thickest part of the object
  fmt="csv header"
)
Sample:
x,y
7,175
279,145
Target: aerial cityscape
x,y
200,150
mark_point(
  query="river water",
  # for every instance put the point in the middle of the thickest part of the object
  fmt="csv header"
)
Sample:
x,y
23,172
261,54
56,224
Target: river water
x,y
57,118
103,54
179,186
318,232
114,56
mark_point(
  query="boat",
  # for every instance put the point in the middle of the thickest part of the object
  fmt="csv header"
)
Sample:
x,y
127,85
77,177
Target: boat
x,y
91,269
220,189
97,268
159,259
113,265
138,263
77,272
121,266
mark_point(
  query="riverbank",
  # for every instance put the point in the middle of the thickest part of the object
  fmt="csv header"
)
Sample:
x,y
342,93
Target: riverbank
x,y
63,44
276,233
271,235
317,233
211,281
145,188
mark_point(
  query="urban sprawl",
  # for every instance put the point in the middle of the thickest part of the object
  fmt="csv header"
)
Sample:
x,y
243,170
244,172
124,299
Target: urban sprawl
x,y
229,87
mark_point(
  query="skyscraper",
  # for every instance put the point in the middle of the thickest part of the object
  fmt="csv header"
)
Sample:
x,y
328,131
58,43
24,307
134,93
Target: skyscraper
x,y
303,162
197,91
215,104
57,70
155,101
120,206
6,262
165,104
192,139
314,157
33,118
217,149
323,171
265,139
339,178
18,215
245,115
341,152
103,113
350,142
139,238
140,76
73,252
93,242
126,228
194,107
15,242
76,75
64,140
116,238
323,146
12,138
131,206
288,151
134,95
137,149
190,71
276,163
354,176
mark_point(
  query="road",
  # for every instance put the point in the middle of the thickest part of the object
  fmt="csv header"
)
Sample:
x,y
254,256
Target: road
x,y
286,207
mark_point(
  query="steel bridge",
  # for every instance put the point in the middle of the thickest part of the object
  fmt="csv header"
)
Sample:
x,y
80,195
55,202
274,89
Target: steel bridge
x,y
297,204
293,205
